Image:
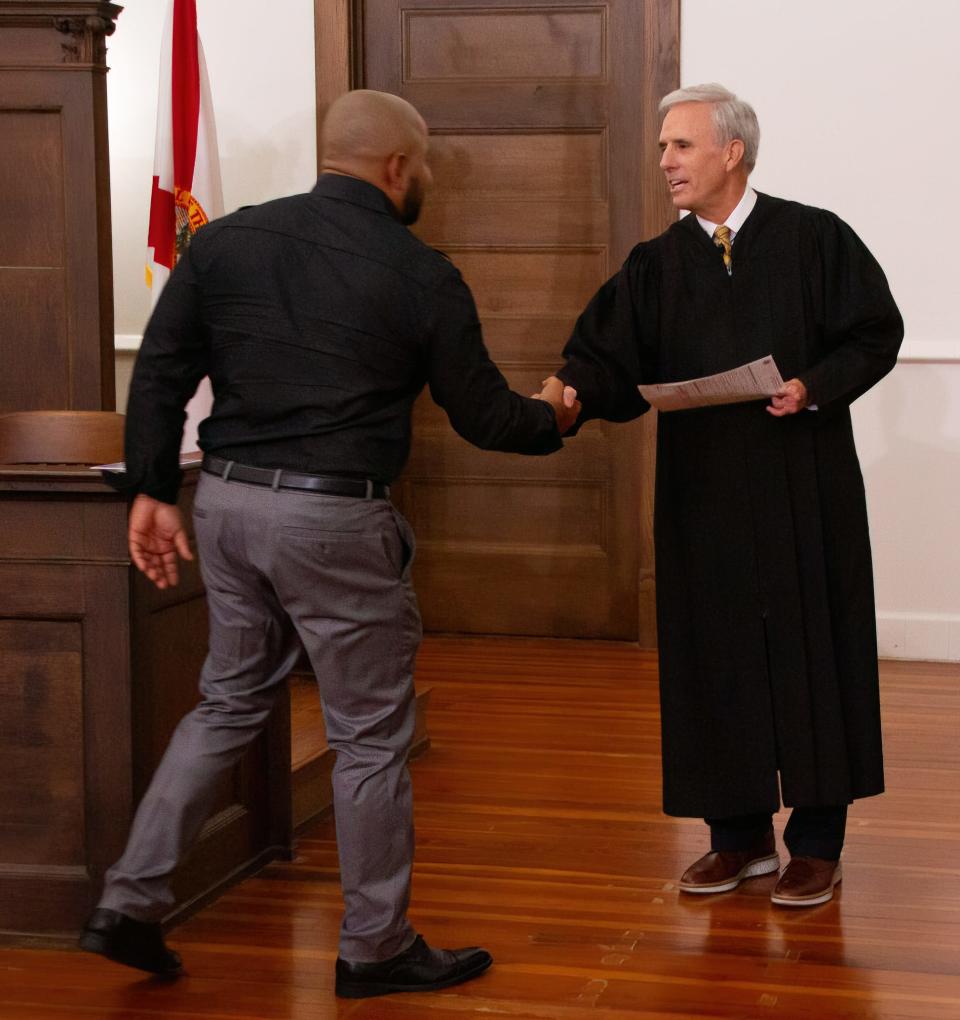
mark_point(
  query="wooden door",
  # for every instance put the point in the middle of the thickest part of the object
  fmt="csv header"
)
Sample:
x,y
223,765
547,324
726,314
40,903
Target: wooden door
x,y
543,148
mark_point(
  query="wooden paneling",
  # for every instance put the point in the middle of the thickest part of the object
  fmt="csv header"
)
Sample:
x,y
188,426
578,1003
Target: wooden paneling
x,y
47,317
530,282
481,165
175,618
513,221
56,288
31,164
523,44
61,437
34,324
33,531
41,742
537,339
511,512
434,448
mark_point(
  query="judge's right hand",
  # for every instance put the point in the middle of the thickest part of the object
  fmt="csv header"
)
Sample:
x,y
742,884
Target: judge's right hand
x,y
563,400
156,536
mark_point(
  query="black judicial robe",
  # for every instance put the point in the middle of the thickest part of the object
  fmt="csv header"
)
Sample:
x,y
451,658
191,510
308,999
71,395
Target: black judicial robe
x,y
765,609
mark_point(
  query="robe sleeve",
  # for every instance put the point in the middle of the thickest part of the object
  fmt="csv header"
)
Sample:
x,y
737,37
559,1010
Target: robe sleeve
x,y
862,328
604,355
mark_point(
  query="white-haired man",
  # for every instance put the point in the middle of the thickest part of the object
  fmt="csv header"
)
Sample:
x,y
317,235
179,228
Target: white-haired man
x,y
768,663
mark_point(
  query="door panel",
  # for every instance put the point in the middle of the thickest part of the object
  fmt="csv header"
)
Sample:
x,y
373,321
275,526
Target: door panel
x,y
518,44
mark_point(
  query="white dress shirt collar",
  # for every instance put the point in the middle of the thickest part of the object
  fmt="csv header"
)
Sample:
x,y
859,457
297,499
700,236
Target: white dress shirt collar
x,y
737,218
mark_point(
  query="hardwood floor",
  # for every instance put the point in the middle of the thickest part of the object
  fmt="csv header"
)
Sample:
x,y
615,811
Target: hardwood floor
x,y
540,836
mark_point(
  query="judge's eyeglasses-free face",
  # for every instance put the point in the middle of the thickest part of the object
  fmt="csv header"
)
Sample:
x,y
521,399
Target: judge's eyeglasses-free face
x,y
701,174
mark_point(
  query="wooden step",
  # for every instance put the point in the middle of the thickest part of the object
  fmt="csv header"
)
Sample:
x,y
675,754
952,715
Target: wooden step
x,y
311,760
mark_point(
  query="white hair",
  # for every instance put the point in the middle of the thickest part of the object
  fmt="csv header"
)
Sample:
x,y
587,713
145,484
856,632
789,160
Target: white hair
x,y
732,117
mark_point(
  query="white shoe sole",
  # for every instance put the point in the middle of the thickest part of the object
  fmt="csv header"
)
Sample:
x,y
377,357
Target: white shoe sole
x,y
809,901
761,866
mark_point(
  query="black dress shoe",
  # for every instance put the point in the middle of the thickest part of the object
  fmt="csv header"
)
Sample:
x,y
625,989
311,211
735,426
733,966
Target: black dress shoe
x,y
417,969
133,943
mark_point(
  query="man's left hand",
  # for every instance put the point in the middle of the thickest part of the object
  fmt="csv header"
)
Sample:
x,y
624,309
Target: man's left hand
x,y
156,537
790,398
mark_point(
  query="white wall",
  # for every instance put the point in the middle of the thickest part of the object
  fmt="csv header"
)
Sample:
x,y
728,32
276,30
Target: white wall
x,y
856,100
261,68
839,86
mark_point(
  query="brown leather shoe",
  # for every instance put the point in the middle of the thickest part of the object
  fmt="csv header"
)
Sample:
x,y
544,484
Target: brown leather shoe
x,y
806,881
723,870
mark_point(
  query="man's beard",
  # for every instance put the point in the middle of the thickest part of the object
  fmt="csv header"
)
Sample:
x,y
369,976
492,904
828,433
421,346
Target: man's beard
x,y
412,202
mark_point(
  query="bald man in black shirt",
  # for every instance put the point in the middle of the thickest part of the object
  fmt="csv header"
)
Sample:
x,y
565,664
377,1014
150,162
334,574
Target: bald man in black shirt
x,y
319,319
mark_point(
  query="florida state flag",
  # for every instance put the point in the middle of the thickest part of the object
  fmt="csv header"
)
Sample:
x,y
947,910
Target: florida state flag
x,y
186,166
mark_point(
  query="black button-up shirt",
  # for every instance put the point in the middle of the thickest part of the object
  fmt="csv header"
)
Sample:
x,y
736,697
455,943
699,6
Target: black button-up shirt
x,y
319,319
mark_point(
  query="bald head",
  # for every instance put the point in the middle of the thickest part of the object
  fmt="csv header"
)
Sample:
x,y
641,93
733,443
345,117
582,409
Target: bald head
x,y
364,128
381,139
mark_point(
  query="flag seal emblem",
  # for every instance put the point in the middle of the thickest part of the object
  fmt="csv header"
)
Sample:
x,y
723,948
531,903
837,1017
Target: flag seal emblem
x,y
190,218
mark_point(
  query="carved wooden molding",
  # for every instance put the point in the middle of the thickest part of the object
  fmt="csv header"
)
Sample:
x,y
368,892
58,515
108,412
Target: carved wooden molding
x,y
57,33
87,45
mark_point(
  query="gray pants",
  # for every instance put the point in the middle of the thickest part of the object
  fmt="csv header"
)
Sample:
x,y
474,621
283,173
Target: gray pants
x,y
335,572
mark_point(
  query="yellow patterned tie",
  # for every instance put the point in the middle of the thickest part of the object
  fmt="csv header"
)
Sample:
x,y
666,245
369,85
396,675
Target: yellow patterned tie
x,y
721,238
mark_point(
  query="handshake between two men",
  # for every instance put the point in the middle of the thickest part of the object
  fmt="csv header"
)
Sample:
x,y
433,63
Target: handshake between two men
x,y
563,400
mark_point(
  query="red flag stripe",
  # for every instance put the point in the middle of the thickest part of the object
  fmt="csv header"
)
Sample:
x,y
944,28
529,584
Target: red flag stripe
x,y
161,232
186,93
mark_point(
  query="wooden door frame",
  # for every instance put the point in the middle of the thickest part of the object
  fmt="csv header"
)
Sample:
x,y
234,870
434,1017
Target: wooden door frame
x,y
339,53
339,68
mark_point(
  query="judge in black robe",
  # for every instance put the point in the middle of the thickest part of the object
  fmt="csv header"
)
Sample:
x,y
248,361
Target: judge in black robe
x,y
765,609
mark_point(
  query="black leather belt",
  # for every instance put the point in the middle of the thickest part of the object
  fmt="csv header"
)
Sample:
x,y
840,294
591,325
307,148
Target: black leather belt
x,y
230,470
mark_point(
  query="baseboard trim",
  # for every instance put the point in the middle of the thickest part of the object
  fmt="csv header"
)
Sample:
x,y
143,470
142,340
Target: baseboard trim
x,y
932,637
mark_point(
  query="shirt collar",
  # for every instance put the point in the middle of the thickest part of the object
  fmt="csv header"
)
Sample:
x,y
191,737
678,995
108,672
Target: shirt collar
x,y
737,218
356,192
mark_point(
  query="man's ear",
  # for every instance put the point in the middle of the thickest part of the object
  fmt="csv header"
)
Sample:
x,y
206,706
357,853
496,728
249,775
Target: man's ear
x,y
735,152
396,170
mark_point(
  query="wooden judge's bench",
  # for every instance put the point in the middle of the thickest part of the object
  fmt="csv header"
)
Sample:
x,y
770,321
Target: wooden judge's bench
x,y
96,668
